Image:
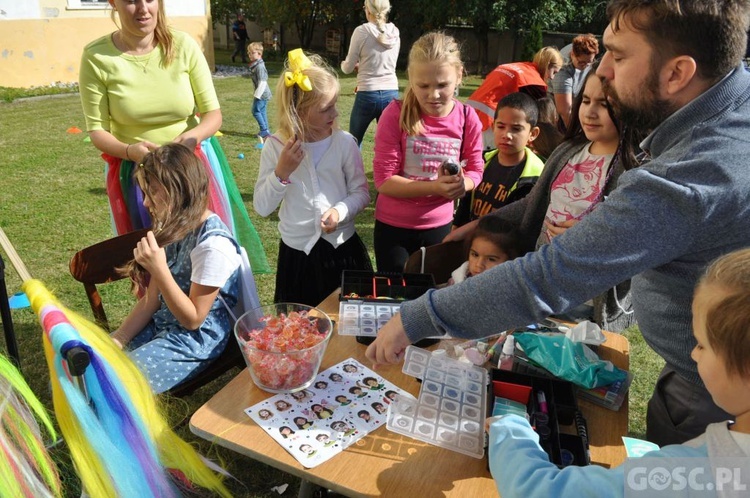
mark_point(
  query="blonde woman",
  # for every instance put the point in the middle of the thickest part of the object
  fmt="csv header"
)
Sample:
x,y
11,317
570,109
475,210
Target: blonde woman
x,y
531,78
373,52
145,85
548,62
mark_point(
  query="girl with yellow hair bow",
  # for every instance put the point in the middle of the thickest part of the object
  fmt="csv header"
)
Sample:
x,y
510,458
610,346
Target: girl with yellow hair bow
x,y
313,171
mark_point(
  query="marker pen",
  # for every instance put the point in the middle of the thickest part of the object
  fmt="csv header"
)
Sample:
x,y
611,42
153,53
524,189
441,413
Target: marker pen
x,y
542,400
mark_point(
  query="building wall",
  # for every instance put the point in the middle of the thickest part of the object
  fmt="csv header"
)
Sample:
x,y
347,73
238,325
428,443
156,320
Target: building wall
x,y
41,40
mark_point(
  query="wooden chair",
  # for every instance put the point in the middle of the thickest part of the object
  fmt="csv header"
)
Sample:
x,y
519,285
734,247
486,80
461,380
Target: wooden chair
x,y
440,260
97,264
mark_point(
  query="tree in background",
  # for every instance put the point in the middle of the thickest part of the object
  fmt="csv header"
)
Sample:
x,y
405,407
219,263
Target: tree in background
x,y
221,9
525,15
532,41
520,17
345,15
304,15
524,18
484,16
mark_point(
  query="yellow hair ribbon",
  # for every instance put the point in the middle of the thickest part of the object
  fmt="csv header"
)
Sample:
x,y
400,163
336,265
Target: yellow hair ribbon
x,y
298,62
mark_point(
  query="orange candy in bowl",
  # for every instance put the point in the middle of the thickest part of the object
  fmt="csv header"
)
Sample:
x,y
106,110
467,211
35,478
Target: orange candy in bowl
x,y
283,345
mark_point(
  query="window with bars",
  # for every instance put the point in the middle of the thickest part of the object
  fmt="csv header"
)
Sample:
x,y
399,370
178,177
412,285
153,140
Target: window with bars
x,y
87,4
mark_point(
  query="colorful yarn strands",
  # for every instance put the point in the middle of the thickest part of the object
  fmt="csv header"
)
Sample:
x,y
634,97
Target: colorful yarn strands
x,y
119,441
25,467
129,214
242,228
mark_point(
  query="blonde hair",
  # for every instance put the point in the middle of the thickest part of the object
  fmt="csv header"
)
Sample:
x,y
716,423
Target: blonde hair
x,y
255,47
728,322
546,57
437,48
379,10
293,103
162,33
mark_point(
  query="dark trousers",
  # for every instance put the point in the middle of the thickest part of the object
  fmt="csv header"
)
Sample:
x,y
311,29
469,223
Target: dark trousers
x,y
679,410
394,245
368,105
239,48
310,278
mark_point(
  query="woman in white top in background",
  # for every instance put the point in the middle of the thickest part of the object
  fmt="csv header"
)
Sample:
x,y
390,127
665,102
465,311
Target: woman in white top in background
x,y
373,52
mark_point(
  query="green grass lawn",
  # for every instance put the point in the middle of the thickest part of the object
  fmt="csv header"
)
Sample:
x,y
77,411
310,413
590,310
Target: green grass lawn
x,y
53,203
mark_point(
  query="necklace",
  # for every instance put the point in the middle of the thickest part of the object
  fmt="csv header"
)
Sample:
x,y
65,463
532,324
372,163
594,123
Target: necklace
x,y
141,64
118,39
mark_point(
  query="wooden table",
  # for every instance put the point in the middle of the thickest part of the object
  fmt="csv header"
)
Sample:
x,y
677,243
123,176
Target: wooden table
x,y
384,463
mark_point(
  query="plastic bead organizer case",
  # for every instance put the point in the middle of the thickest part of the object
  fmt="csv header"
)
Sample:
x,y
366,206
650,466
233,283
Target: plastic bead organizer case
x,y
451,407
368,300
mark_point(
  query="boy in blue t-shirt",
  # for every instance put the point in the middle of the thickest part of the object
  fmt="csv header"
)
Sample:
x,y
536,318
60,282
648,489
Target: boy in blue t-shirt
x,y
511,169
262,94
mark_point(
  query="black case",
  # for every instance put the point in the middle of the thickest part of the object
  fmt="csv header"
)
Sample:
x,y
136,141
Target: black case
x,y
379,287
562,409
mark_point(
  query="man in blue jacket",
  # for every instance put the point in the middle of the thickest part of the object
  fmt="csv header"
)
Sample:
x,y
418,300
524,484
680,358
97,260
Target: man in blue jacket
x,y
675,67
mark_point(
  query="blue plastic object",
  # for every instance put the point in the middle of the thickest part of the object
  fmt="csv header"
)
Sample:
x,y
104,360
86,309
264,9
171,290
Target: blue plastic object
x,y
18,300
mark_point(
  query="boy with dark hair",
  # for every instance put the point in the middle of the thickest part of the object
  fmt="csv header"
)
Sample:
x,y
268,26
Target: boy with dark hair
x,y
511,169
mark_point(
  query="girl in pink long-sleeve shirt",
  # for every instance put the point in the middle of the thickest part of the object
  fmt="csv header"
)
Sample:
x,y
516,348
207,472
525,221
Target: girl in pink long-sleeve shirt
x,y
414,136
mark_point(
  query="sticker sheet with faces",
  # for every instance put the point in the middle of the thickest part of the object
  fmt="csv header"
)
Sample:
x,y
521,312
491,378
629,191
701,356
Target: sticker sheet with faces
x,y
343,404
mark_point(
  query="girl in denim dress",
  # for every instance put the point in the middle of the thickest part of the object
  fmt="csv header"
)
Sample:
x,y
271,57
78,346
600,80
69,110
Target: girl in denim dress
x,y
186,271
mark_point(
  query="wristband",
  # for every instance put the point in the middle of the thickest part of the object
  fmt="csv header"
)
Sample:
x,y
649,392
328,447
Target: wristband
x,y
126,152
283,182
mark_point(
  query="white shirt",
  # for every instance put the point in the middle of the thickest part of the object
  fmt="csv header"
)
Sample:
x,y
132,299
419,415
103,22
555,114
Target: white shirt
x,y
338,181
213,260
376,54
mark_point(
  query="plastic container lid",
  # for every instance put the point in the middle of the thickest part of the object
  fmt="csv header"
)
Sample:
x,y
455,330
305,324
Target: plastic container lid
x,y
452,402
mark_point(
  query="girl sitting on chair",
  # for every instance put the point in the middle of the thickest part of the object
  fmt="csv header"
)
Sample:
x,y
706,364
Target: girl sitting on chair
x,y
188,266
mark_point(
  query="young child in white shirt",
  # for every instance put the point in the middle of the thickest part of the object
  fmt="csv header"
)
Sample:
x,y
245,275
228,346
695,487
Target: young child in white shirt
x,y
314,171
188,266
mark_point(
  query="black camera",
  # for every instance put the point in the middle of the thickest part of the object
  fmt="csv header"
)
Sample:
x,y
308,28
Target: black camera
x,y
450,167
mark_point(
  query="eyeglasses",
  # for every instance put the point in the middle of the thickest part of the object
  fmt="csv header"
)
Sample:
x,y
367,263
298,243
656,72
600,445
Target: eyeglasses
x,y
582,61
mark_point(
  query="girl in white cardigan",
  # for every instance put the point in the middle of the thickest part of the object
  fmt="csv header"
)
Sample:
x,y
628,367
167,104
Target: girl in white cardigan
x,y
314,171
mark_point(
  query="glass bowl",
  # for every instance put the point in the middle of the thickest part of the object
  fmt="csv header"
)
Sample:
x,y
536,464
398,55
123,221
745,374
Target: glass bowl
x,y
283,345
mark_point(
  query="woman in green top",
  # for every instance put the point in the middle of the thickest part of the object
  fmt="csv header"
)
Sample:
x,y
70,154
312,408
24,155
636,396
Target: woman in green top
x,y
143,86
